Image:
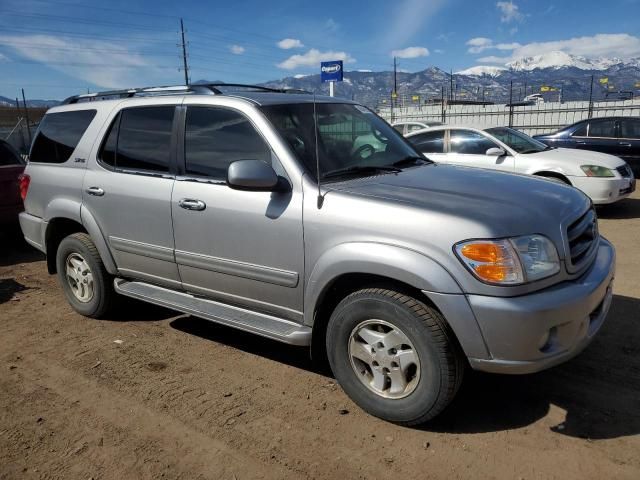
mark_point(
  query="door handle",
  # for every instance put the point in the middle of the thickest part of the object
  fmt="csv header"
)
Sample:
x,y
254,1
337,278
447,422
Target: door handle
x,y
95,191
191,204
624,144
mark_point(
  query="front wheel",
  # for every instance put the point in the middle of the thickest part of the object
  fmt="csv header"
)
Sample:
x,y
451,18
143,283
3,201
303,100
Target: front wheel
x,y
394,355
85,281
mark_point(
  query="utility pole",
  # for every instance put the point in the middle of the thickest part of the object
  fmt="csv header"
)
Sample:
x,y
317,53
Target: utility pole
x,y
591,99
451,86
26,114
184,54
511,104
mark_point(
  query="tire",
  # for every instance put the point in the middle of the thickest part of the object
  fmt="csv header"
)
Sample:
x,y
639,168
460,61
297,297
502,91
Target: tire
x,y
420,332
89,288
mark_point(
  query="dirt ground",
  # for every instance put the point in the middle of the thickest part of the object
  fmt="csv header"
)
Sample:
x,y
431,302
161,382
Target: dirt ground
x,y
153,394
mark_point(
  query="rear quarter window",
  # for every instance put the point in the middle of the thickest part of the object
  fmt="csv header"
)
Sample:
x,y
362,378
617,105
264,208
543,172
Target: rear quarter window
x,y
59,134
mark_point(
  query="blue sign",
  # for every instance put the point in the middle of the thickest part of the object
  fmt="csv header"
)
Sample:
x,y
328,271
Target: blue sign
x,y
331,71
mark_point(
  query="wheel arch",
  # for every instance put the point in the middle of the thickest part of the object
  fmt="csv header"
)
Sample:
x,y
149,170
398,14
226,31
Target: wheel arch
x,y
553,174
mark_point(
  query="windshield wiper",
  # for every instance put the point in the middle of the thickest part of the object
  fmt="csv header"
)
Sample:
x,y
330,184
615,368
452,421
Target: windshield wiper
x,y
531,150
354,170
411,160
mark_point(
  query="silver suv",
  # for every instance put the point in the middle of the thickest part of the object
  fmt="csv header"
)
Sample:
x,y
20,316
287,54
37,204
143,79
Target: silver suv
x,y
311,221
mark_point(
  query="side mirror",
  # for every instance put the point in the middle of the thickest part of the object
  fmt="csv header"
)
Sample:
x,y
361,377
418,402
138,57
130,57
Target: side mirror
x,y
495,152
252,175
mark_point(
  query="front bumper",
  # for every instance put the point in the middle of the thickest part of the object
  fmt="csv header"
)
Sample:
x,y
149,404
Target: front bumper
x,y
533,332
605,190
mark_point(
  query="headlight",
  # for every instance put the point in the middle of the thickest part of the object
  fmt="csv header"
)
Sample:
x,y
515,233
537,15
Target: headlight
x,y
596,171
511,261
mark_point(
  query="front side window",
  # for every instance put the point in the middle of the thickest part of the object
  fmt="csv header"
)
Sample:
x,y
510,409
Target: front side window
x,y
59,135
429,142
470,143
351,138
215,137
630,128
516,140
140,139
581,131
602,129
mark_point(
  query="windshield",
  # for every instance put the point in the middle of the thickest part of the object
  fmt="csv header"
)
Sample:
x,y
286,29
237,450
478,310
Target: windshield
x,y
518,141
351,138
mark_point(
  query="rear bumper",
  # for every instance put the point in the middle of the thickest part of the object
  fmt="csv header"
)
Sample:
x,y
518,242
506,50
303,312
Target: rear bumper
x,y
605,190
533,332
33,230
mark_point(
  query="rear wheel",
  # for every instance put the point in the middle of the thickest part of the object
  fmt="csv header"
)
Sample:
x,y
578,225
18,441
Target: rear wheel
x,y
85,281
394,355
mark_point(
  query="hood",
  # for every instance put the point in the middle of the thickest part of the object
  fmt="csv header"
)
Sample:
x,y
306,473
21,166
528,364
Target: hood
x,y
500,204
577,157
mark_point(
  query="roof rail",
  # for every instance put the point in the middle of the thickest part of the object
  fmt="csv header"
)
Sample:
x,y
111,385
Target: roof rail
x,y
197,88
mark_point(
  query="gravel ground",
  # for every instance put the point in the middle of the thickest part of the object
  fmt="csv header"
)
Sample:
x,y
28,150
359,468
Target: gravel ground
x,y
153,394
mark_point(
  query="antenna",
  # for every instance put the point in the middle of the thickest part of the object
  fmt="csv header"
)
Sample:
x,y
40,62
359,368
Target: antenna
x,y
315,131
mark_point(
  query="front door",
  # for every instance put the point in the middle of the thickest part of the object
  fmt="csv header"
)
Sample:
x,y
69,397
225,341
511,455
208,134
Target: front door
x,y
629,143
238,247
128,191
469,148
601,137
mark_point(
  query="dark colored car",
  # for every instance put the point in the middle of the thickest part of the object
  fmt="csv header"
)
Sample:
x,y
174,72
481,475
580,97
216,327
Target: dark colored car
x,y
618,136
11,167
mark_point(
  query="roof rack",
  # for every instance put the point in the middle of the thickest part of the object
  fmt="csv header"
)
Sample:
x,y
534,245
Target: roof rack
x,y
196,89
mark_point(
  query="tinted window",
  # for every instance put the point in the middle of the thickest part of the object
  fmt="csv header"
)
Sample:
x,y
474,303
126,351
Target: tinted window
x,y
471,143
8,156
429,142
108,152
413,127
59,134
216,137
399,128
581,131
630,128
602,128
144,139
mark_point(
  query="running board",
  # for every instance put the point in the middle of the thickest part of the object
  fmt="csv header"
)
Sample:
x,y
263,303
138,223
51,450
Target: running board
x,y
258,323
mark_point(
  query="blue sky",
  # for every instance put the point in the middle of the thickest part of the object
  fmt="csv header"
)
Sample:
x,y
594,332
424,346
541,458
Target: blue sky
x,y
57,48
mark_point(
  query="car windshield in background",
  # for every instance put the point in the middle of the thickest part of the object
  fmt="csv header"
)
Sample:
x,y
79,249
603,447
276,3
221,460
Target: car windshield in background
x,y
352,140
518,141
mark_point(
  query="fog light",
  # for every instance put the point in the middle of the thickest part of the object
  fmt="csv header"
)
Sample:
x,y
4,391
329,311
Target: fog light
x,y
548,340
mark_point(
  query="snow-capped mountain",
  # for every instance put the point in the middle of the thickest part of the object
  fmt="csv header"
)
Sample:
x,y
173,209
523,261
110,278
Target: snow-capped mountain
x,y
480,70
558,59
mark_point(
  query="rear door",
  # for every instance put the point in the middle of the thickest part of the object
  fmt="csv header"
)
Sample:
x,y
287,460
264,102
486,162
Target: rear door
x,y
469,148
128,191
601,137
629,143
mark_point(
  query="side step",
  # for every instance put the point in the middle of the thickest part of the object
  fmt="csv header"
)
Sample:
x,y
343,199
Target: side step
x,y
258,323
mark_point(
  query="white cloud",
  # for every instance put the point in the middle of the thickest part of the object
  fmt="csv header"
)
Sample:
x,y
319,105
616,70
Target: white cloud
x,y
606,45
300,75
288,43
236,49
100,62
509,12
364,70
313,57
408,18
480,44
438,51
411,52
3,58
331,25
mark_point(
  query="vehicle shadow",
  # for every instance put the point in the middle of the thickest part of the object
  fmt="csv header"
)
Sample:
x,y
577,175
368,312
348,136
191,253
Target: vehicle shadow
x,y
14,250
8,287
247,342
624,209
599,389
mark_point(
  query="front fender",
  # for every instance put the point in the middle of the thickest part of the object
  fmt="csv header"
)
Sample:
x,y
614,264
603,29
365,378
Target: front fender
x,y
397,263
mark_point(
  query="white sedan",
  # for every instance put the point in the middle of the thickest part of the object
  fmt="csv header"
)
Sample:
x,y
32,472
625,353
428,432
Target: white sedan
x,y
604,178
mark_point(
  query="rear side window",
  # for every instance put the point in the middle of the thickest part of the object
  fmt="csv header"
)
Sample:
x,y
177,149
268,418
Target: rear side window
x,y
216,137
140,139
630,128
470,143
8,156
603,129
429,142
59,134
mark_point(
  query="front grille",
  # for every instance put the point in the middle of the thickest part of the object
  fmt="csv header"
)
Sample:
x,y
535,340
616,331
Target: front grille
x,y
582,236
624,170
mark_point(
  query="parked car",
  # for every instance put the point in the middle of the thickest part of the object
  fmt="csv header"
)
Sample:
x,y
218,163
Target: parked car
x,y
605,178
405,127
251,210
11,167
534,98
619,136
